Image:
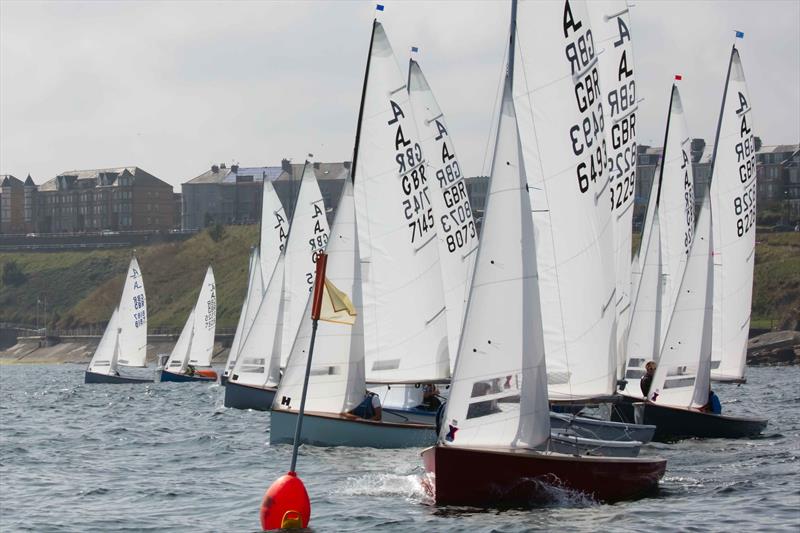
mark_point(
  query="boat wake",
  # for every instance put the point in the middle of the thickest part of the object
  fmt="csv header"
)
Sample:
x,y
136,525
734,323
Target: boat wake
x,y
411,487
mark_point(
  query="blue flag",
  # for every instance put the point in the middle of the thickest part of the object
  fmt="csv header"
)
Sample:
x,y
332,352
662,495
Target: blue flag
x,y
414,49
379,7
739,34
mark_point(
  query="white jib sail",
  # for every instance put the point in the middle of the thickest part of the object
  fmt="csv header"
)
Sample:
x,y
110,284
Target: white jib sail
x,y
644,340
733,197
611,26
179,357
205,322
561,121
259,360
682,378
498,395
255,292
308,236
336,383
405,326
133,319
103,359
455,227
636,264
274,230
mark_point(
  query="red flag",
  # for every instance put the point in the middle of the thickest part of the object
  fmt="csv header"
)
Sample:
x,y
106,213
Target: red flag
x,y
678,77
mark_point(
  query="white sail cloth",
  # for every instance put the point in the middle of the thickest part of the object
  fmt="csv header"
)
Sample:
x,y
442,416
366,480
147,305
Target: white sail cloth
x,y
104,359
682,378
133,319
252,300
195,345
498,395
733,198
611,26
336,383
274,230
308,235
455,227
561,121
405,327
179,357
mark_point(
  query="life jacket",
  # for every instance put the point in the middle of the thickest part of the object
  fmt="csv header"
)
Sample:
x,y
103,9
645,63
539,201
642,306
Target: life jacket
x,y
365,409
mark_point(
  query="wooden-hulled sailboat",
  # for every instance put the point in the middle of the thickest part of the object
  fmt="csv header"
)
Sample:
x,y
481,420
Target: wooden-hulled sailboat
x,y
274,229
681,384
191,356
733,200
124,342
496,430
265,350
336,382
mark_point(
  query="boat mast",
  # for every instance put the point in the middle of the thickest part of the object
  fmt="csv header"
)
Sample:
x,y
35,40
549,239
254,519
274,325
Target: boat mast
x,y
721,111
361,104
511,42
664,146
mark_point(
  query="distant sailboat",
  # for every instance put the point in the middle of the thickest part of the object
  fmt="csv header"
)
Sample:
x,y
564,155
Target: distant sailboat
x,y
124,342
255,292
497,418
195,346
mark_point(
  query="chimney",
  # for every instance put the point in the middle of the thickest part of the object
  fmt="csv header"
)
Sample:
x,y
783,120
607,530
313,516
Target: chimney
x,y
286,166
222,166
234,168
214,169
316,165
346,165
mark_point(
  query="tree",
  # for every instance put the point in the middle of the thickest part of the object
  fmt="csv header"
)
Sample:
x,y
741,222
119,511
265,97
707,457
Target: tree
x,y
216,232
13,276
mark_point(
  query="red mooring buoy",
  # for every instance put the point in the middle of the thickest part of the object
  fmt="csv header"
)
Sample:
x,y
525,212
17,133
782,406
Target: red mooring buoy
x,y
283,501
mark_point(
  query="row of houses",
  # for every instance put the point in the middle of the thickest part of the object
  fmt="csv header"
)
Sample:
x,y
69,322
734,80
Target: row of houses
x,y
131,199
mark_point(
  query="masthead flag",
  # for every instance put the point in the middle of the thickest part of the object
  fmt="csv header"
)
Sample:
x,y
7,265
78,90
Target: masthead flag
x,y
414,49
739,34
678,77
379,7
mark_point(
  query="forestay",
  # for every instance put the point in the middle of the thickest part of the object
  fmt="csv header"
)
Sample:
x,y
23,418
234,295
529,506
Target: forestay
x,y
561,121
259,360
105,356
682,378
133,319
733,197
252,300
274,230
205,322
308,235
455,227
336,384
611,24
405,327
498,395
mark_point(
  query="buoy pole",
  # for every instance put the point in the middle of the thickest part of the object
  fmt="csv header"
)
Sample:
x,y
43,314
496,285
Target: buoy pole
x,y
286,503
319,283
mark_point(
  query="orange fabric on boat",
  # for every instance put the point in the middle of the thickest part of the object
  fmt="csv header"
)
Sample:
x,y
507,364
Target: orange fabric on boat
x,y
206,373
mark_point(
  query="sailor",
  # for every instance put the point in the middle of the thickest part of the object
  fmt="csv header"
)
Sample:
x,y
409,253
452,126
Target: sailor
x,y
647,379
430,401
369,408
190,370
713,406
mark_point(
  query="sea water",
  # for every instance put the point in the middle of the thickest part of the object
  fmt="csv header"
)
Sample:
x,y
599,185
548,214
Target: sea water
x,y
170,457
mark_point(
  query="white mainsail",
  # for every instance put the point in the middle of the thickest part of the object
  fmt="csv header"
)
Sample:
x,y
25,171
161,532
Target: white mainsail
x,y
274,230
179,357
455,227
205,322
498,394
733,197
611,26
636,264
308,235
259,360
255,292
561,121
104,359
336,383
405,326
133,319
682,378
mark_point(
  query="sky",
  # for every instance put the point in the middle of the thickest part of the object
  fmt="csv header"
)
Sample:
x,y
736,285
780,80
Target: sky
x,y
174,87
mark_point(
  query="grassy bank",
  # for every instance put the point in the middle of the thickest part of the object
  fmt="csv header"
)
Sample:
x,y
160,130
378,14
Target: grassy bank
x,y
83,287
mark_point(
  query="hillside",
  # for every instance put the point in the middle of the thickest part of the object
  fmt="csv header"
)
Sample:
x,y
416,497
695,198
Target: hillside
x,y
83,287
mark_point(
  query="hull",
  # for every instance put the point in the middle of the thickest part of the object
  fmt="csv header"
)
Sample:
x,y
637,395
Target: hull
x,y
575,445
509,478
409,416
93,377
240,396
674,423
183,378
322,429
223,379
592,428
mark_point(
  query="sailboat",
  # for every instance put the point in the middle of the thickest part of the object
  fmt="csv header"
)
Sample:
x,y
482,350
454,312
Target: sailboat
x,y
336,384
195,345
124,341
733,198
265,350
497,418
681,384
274,229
